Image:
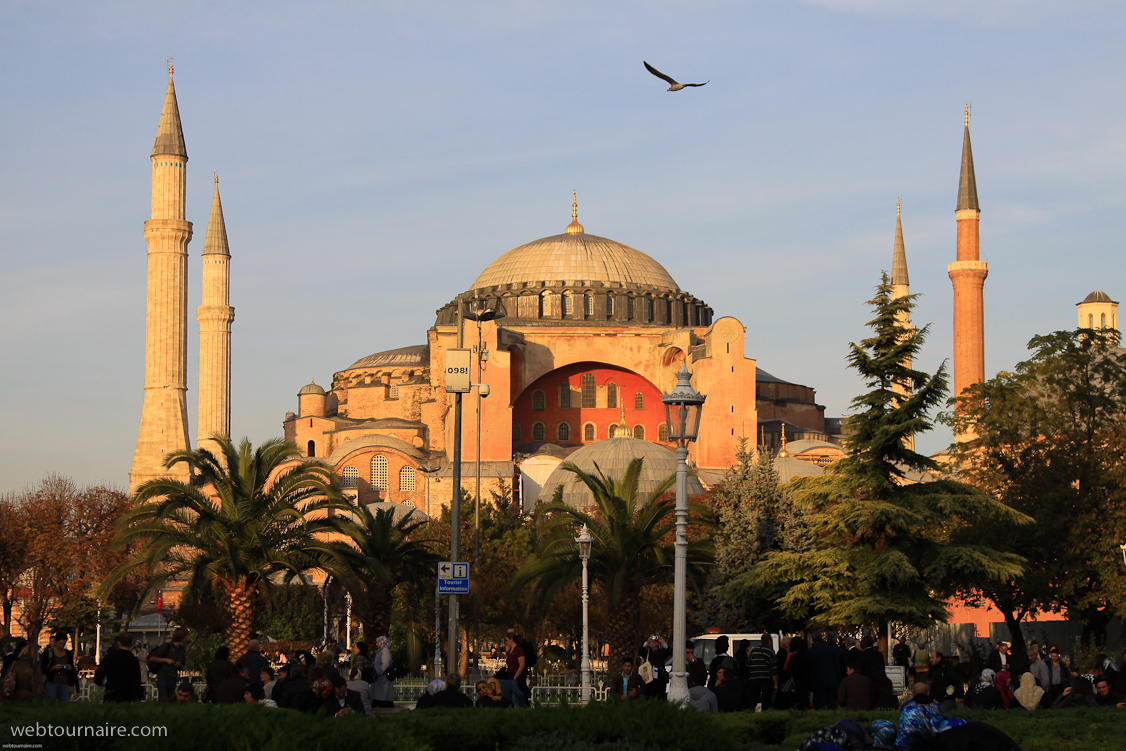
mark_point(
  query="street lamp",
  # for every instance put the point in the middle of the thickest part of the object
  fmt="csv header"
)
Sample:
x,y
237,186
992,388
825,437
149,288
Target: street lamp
x,y
584,541
682,417
1124,553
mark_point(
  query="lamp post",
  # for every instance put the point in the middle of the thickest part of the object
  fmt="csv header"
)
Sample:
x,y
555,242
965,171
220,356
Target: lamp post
x,y
1124,553
682,416
584,541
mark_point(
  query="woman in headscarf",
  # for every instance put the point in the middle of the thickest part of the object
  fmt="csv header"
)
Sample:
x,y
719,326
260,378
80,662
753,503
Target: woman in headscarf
x,y
1029,694
1008,701
382,689
427,698
984,693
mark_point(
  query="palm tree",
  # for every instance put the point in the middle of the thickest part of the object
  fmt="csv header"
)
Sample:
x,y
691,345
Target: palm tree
x,y
633,549
388,553
250,517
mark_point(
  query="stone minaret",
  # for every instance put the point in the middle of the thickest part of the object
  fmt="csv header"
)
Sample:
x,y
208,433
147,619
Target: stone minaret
x,y
164,417
901,287
215,316
968,276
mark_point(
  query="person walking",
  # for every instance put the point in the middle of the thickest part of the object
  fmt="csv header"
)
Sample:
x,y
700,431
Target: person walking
x,y
824,673
382,688
169,659
762,674
515,663
120,673
57,664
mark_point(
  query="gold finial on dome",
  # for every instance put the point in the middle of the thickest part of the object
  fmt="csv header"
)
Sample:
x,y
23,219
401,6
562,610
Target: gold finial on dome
x,y
574,228
216,177
967,114
621,430
783,453
169,67
897,207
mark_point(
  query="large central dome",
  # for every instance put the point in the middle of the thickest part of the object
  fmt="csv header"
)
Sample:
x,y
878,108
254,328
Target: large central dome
x,y
575,257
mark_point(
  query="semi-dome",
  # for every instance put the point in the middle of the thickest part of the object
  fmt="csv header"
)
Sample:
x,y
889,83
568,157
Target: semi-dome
x,y
613,456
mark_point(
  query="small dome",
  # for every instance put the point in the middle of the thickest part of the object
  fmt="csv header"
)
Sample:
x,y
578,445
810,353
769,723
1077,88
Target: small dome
x,y
418,354
788,468
613,456
1097,296
312,388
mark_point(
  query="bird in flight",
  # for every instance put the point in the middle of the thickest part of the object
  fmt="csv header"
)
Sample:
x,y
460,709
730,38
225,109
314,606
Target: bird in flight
x,y
675,86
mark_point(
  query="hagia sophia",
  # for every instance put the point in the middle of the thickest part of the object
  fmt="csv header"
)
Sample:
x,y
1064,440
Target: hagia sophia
x,y
575,335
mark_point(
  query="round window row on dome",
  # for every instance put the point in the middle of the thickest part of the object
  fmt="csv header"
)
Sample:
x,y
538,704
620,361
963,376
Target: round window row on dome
x,y
596,306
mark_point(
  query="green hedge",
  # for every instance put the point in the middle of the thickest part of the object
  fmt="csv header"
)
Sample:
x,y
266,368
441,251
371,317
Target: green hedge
x,y
648,726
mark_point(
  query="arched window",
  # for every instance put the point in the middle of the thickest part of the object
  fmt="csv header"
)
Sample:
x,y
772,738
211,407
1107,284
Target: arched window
x,y
1090,325
516,431
406,479
312,448
663,433
563,432
379,472
538,432
351,477
588,432
629,308
609,306
568,303
408,502
1102,320
538,401
588,305
589,400
639,432
564,396
611,395
648,309
395,391
639,401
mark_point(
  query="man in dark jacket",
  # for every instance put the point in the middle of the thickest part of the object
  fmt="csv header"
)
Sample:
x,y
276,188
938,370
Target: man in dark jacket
x,y
254,661
120,673
451,696
626,686
230,690
343,701
295,692
694,666
824,673
855,691
656,651
946,685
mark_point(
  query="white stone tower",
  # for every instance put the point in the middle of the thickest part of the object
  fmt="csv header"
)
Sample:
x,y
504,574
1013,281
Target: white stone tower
x,y
215,316
164,417
901,287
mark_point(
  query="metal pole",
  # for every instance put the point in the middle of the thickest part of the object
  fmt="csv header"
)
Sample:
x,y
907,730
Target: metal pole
x,y
98,635
455,506
585,664
477,513
437,633
325,597
348,623
678,684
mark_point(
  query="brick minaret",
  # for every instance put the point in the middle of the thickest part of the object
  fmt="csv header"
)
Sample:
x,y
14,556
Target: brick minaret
x,y
164,417
968,276
901,287
215,316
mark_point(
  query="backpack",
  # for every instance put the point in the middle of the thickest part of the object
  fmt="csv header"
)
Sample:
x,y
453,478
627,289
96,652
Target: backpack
x,y
530,655
397,670
154,667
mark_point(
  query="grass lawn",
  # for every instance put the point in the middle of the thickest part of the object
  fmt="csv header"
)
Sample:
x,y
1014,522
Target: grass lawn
x,y
648,726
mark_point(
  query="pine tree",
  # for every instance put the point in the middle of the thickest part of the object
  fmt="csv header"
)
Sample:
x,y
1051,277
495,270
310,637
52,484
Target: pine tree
x,y
882,548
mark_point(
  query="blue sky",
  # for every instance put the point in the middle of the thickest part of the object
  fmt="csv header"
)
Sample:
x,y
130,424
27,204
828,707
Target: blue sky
x,y
374,157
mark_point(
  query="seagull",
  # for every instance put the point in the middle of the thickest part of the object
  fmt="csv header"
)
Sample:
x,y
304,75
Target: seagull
x,y
675,86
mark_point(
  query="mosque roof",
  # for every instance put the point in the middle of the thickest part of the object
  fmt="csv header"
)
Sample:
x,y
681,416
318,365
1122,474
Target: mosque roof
x,y
764,377
1097,296
311,388
575,256
612,456
418,354
808,444
788,468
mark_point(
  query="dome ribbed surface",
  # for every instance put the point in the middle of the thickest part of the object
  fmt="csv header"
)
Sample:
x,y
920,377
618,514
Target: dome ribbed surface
x,y
311,388
574,258
1097,296
613,456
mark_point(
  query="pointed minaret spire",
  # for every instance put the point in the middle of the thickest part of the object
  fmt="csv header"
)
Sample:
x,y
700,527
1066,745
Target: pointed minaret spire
x,y
215,316
169,134
899,254
967,184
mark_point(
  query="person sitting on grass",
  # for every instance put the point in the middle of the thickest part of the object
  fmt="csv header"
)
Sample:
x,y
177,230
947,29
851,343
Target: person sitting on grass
x,y
984,694
1105,697
729,692
700,696
489,696
185,693
426,701
254,694
230,691
1029,694
1079,695
451,696
343,701
921,721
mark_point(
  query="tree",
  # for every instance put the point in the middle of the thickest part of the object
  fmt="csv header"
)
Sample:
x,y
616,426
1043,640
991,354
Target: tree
x,y
388,554
13,557
1048,439
883,548
632,550
755,517
250,516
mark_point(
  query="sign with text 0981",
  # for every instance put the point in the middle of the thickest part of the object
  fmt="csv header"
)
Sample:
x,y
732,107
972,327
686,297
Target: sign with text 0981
x,y
457,370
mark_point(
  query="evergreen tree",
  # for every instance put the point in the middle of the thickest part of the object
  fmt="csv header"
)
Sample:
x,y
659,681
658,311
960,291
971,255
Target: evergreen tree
x,y
755,517
882,549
